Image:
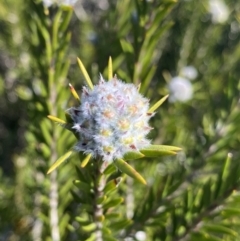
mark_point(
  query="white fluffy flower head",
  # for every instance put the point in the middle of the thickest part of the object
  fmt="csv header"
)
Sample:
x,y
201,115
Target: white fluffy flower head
x,y
111,120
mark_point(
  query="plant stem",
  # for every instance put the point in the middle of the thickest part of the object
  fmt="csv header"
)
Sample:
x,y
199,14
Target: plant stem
x,y
99,184
53,198
53,192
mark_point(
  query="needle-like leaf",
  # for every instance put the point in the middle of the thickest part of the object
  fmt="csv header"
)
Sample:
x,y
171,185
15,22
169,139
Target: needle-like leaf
x,y
74,93
56,119
85,73
86,160
159,150
133,155
158,104
60,161
110,69
129,170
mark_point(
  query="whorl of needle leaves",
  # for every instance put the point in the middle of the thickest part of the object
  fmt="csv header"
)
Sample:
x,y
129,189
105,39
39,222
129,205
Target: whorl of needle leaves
x,y
111,120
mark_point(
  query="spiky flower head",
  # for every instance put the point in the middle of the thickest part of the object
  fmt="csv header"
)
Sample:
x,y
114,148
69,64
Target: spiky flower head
x,y
111,124
111,120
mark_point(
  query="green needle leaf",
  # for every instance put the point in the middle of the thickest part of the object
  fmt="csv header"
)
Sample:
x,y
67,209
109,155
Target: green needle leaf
x,y
111,185
129,170
139,87
110,69
155,153
61,122
165,148
101,199
55,119
160,150
83,186
220,229
85,73
74,93
86,160
133,155
158,104
60,161
113,203
226,170
121,224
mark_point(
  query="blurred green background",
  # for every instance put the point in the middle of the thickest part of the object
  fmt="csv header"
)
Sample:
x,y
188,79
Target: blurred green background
x,y
187,48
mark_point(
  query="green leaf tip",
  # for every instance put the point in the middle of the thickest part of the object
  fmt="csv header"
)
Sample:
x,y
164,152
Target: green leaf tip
x,y
110,69
133,155
158,104
139,86
60,161
160,150
86,160
166,148
85,73
61,122
129,170
74,93
56,119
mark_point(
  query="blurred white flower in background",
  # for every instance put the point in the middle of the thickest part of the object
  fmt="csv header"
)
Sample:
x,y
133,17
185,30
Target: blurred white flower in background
x,y
189,72
180,89
141,236
83,9
218,10
48,3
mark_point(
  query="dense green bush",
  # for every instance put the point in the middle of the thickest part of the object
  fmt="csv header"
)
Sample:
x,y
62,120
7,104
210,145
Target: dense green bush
x,y
188,49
